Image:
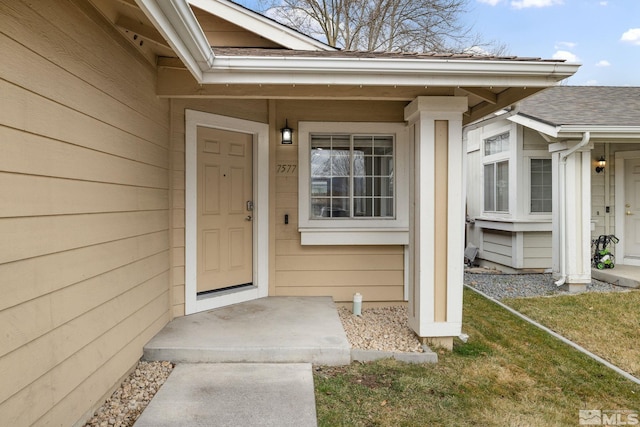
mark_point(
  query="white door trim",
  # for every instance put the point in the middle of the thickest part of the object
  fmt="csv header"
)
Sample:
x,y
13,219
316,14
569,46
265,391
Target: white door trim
x,y
260,132
621,156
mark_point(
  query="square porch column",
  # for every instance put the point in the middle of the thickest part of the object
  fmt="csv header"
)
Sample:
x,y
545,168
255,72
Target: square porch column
x,y
571,205
437,207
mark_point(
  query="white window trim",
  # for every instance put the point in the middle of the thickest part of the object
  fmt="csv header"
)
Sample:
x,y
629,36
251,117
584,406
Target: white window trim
x,y
354,231
495,159
533,155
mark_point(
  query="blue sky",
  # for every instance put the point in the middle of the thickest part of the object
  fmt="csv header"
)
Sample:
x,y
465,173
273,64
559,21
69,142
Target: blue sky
x,y
604,36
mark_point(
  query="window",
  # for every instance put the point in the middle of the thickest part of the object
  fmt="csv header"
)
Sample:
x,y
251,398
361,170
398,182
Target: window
x,y
496,187
496,144
352,176
496,173
353,183
541,188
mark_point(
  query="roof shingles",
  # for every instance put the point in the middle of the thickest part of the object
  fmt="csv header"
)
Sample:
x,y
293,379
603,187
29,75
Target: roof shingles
x,y
585,105
265,52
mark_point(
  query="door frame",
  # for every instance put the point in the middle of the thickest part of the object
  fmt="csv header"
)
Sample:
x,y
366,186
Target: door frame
x,y
620,183
260,288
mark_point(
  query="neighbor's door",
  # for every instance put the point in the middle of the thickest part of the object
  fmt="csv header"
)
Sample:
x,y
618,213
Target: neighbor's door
x,y
224,223
632,208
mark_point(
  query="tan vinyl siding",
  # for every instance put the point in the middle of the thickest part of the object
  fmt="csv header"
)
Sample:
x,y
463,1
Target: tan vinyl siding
x,y
84,268
339,271
537,249
497,247
377,272
224,33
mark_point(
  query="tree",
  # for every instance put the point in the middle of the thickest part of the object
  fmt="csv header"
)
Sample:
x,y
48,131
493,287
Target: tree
x,y
380,25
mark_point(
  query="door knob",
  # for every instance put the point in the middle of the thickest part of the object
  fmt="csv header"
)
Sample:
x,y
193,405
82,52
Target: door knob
x,y
248,218
629,213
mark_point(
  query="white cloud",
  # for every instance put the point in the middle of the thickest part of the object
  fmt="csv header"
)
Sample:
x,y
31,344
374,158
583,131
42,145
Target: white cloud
x,y
566,55
604,3
603,63
523,4
631,36
591,83
490,2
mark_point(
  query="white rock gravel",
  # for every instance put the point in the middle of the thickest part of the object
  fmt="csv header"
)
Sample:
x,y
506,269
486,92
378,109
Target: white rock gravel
x,y
126,404
382,328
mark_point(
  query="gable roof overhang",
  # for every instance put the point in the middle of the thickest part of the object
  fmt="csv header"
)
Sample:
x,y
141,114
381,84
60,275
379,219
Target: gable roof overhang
x,y
599,133
175,20
492,83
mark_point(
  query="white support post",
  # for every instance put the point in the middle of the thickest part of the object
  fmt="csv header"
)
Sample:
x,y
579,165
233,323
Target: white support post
x,y
437,207
572,218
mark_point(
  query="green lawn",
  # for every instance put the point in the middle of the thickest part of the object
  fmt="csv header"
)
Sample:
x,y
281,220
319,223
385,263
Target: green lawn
x,y
508,373
607,324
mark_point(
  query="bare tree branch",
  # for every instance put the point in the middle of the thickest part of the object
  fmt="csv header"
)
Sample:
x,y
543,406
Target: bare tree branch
x,y
382,25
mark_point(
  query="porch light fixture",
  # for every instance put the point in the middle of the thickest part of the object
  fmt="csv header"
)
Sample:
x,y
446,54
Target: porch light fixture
x,y
287,133
601,164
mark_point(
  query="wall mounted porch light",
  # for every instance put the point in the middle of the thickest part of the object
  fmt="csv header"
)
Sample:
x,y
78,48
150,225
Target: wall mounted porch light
x,y
601,164
287,133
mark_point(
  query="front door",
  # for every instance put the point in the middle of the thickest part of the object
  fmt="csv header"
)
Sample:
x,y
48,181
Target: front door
x,y
632,208
224,207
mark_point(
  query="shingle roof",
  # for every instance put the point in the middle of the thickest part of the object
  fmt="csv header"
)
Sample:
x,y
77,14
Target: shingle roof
x,y
585,105
266,52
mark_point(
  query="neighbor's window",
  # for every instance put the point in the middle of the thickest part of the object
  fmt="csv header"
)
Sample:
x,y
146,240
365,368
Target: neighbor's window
x,y
541,189
496,173
352,176
496,187
496,144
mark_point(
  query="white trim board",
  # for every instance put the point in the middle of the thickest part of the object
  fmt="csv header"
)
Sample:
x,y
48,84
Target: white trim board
x,y
260,132
620,157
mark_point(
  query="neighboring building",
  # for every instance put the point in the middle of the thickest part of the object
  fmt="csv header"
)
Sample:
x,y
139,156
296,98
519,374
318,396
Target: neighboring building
x,y
536,192
143,177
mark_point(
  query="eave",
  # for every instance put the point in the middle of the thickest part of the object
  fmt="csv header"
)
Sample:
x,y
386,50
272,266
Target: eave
x,y
385,71
599,133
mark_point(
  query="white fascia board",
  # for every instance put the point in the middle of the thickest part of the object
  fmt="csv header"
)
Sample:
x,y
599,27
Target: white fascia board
x,y
384,72
599,132
260,25
535,125
175,20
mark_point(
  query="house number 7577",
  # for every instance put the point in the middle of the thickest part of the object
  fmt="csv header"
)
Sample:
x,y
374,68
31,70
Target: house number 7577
x,y
286,169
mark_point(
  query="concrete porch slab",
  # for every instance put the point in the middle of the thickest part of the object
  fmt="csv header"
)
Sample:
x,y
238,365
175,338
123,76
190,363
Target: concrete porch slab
x,y
239,394
622,275
266,330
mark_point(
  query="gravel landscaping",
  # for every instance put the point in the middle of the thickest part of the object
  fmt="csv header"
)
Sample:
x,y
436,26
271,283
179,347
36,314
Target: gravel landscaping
x,y
501,286
383,328
126,404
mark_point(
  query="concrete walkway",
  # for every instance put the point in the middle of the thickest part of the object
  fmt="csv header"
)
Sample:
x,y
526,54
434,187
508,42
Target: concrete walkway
x,y
266,330
622,275
247,364
239,394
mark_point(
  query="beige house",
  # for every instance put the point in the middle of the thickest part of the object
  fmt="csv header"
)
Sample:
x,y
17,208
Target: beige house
x,y
143,176
557,170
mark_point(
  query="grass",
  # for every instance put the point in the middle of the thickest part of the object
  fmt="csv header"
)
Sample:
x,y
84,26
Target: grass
x,y
607,324
508,373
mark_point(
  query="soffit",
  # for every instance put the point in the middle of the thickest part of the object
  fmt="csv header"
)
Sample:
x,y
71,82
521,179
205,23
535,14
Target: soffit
x,y
174,80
